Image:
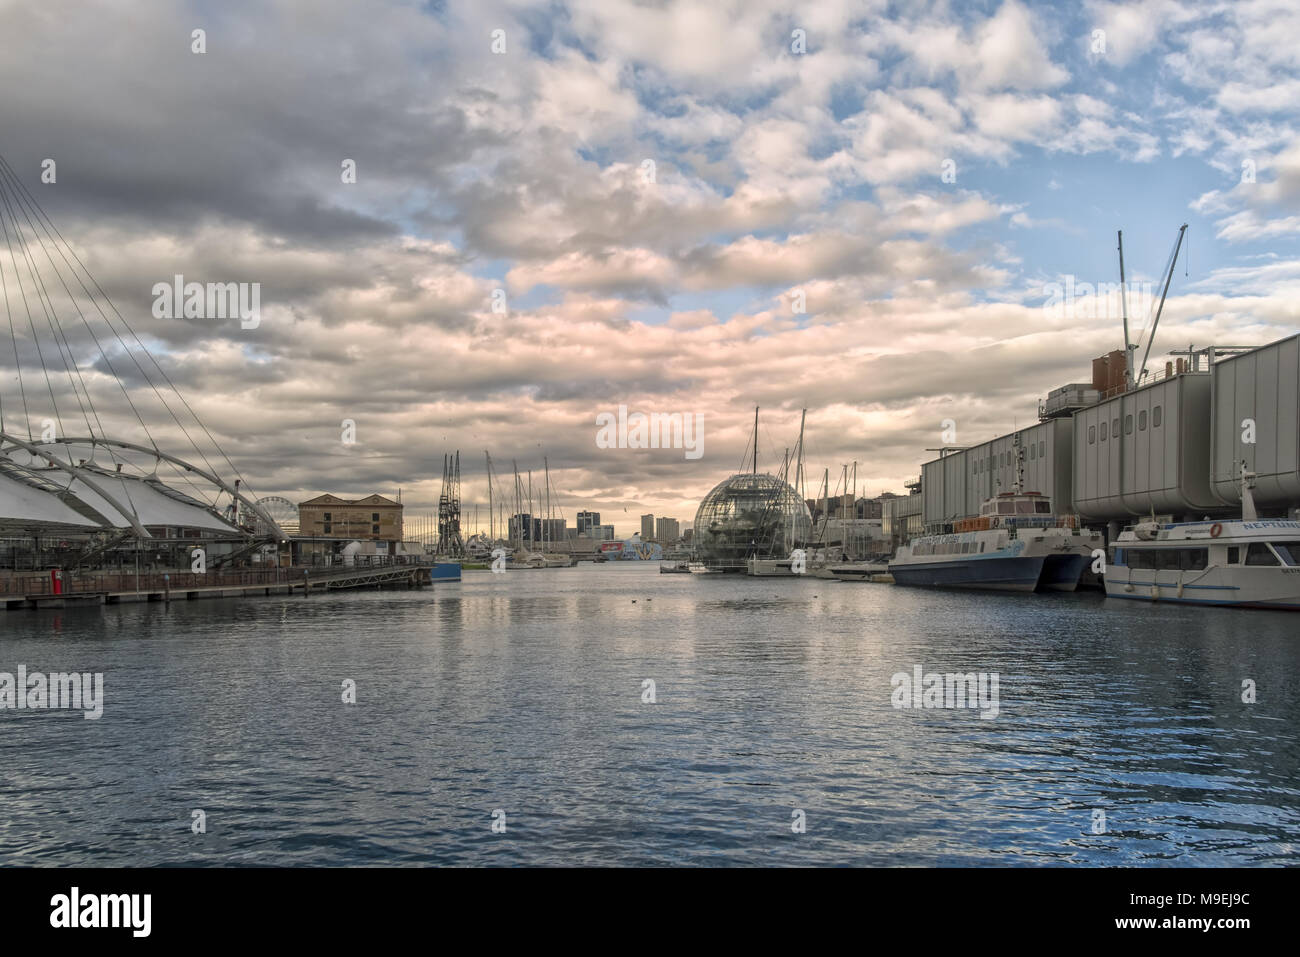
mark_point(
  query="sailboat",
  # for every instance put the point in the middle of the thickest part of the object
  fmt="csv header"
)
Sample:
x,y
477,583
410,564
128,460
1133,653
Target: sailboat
x,y
777,566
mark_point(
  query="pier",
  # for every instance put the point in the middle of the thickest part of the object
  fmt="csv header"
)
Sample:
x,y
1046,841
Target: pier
x,y
100,588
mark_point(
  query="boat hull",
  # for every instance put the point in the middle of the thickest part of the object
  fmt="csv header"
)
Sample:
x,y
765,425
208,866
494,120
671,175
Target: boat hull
x,y
445,572
854,571
1062,572
1221,588
1018,573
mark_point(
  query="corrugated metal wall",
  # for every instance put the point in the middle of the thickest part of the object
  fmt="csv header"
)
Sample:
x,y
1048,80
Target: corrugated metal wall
x,y
1259,385
1158,463
956,485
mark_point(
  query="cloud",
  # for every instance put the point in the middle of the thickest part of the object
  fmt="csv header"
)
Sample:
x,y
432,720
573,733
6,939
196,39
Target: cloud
x,y
671,286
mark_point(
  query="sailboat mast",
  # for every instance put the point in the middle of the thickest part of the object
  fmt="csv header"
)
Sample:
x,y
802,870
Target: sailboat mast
x,y
798,469
492,524
518,502
755,440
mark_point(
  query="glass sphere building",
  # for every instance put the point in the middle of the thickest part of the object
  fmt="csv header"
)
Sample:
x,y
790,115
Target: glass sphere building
x,y
750,515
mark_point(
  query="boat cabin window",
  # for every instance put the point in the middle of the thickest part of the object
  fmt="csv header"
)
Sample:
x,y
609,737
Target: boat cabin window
x,y
1234,555
1260,554
1006,508
1288,551
1167,559
1024,508
1043,508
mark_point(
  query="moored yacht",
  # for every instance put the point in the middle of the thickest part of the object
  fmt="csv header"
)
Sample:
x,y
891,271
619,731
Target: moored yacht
x,y
1246,563
1016,544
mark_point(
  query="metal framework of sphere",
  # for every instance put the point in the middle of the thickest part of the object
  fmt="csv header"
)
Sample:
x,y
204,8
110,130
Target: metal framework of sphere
x,y
750,516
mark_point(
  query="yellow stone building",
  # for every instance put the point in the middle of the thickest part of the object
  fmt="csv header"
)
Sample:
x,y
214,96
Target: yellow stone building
x,y
373,518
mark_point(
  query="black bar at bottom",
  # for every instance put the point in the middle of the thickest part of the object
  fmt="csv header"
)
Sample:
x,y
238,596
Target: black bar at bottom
x,y
212,906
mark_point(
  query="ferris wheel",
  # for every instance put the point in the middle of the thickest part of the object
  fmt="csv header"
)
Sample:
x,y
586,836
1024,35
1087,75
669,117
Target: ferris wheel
x,y
283,511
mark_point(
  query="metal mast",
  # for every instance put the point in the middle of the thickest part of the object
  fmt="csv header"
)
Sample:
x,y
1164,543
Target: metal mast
x,y
492,523
1129,347
798,469
1173,261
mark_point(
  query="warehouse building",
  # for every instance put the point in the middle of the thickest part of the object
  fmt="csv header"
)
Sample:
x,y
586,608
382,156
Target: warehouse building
x,y
1035,459
1255,408
1171,448
1147,452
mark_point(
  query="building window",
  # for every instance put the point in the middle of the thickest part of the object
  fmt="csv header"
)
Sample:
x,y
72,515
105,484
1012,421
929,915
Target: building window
x,y
327,528
1142,421
1092,435
374,529
1042,448
326,516
1155,417
1103,431
1031,453
374,516
1128,424
1114,426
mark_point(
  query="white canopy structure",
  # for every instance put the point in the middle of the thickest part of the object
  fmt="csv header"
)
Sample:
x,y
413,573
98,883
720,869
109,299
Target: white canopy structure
x,y
67,351
42,491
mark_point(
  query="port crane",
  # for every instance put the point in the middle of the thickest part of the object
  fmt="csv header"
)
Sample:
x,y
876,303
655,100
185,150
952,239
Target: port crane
x,y
450,541
1132,378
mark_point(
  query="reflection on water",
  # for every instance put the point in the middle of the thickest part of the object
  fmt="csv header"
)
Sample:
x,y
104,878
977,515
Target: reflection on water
x,y
523,692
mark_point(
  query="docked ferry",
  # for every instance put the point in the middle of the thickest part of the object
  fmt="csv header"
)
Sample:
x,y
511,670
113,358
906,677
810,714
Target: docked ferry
x,y
1246,563
1016,544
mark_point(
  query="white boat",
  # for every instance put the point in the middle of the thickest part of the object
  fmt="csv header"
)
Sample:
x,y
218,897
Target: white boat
x,y
771,568
523,560
847,571
699,568
1245,563
1016,544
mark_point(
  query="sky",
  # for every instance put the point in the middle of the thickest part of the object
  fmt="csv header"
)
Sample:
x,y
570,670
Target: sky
x,y
858,209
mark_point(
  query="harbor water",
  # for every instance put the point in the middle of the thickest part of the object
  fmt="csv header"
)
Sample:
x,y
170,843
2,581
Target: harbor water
x,y
509,719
